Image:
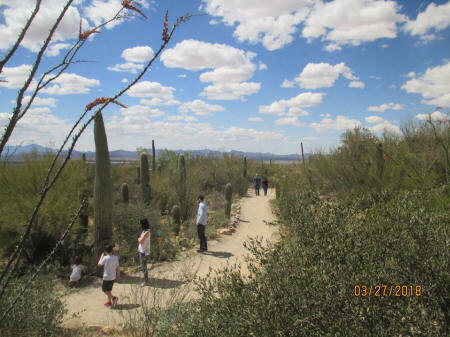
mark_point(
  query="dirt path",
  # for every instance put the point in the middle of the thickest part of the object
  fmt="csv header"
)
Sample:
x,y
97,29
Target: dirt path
x,y
87,302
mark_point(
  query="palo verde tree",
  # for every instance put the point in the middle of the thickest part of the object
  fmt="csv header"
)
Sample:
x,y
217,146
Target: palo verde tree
x,y
35,82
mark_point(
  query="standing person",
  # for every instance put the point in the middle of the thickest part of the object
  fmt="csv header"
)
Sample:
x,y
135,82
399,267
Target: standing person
x,y
78,270
111,273
265,185
202,215
144,248
256,183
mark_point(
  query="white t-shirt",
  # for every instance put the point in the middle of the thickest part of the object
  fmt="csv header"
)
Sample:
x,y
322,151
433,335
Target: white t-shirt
x,y
77,271
110,264
144,247
202,214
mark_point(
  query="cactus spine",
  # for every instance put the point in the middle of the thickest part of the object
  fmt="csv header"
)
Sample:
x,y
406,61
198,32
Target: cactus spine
x,y
182,186
176,217
228,198
245,167
145,179
124,193
103,199
153,157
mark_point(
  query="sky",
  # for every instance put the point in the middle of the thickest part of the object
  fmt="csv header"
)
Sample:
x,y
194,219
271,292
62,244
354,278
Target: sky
x,y
249,75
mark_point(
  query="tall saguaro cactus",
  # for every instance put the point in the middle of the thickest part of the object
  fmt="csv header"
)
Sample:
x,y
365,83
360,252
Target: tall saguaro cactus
x,y
228,198
103,196
145,179
245,168
182,186
153,157
124,193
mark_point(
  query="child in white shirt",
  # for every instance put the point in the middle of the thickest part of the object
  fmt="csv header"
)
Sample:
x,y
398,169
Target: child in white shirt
x,y
78,270
111,273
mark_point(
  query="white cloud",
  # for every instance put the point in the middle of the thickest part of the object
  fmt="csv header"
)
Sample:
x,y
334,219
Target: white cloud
x,y
341,123
128,67
17,12
294,121
200,108
182,76
124,80
69,84
182,117
385,45
137,114
151,89
325,115
135,58
374,119
156,101
231,67
262,66
381,125
295,105
434,18
15,76
322,75
287,84
255,119
435,116
56,48
386,106
272,23
38,101
356,84
352,22
433,85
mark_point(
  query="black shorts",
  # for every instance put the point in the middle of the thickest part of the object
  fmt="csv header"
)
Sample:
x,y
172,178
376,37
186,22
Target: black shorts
x,y
107,285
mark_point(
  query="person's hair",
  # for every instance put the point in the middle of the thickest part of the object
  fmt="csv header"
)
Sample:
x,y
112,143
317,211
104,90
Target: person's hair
x,y
201,197
77,260
144,224
109,249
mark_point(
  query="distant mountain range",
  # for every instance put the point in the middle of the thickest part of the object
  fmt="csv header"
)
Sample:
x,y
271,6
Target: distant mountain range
x,y
17,152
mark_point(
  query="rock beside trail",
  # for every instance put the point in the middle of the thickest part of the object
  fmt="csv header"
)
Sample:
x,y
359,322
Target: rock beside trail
x,y
225,231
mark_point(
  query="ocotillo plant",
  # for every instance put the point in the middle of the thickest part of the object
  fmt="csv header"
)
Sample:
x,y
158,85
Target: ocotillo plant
x,y
145,179
176,218
124,193
103,199
245,168
182,186
138,175
153,157
228,197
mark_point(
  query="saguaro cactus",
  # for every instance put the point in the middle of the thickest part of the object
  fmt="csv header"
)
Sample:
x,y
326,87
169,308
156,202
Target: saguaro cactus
x,y
83,158
182,186
145,179
103,198
176,217
245,168
228,197
138,175
153,157
124,193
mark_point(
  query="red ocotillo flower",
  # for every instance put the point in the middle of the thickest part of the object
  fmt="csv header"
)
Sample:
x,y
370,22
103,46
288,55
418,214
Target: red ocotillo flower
x,y
165,35
102,100
127,4
85,35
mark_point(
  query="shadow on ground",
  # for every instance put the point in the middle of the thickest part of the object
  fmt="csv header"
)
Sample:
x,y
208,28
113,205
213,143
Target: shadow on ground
x,y
222,255
125,306
154,282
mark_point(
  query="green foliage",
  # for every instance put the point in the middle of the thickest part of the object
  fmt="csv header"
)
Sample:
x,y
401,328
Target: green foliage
x,y
103,199
228,199
153,157
244,173
176,218
124,192
182,192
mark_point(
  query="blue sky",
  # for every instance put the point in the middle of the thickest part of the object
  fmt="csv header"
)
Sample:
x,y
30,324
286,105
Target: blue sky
x,y
253,75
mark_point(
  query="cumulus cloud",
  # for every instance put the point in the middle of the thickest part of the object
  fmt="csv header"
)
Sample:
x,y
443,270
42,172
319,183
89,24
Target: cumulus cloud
x,y
341,123
352,22
435,116
156,101
56,48
15,76
433,19
356,84
151,89
135,58
200,108
386,106
255,119
433,85
272,23
231,67
38,101
16,14
381,125
293,106
287,84
182,117
374,119
294,121
138,113
322,75
69,84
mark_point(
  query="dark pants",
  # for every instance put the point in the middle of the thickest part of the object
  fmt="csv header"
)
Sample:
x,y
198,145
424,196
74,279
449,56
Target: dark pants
x,y
143,260
257,189
202,237
265,190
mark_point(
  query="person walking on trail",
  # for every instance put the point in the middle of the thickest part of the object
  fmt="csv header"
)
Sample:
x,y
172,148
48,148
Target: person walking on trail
x,y
202,215
111,273
257,183
144,248
265,185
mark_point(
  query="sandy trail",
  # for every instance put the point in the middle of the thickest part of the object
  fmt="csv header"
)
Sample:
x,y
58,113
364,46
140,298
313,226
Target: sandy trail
x,y
88,300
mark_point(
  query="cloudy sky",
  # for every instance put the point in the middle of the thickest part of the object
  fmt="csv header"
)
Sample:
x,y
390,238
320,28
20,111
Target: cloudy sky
x,y
251,75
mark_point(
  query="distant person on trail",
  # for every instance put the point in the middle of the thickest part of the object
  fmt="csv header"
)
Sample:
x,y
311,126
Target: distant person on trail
x,y
78,270
111,273
257,183
265,185
202,215
144,248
